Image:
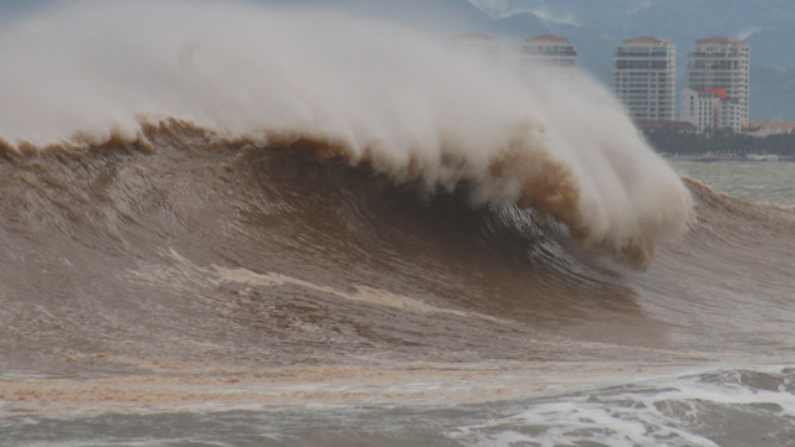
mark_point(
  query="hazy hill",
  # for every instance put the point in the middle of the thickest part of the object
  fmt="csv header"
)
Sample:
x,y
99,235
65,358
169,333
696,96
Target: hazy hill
x,y
772,94
596,27
767,25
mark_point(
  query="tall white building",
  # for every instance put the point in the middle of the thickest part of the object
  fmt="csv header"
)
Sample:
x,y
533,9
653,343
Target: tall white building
x,y
722,63
644,78
479,45
547,51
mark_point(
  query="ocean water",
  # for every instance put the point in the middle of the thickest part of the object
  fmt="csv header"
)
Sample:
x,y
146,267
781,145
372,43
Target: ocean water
x,y
750,181
223,224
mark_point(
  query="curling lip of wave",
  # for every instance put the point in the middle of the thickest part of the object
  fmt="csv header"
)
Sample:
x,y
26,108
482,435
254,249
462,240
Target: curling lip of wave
x,y
299,79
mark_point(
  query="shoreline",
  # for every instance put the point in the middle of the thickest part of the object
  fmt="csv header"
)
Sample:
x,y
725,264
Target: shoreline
x,y
716,157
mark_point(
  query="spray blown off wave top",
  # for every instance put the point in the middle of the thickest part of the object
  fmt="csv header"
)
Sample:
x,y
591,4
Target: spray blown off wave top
x,y
373,94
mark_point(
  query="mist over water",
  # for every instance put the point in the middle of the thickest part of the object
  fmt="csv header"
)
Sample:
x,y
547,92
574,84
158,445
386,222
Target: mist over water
x,y
369,91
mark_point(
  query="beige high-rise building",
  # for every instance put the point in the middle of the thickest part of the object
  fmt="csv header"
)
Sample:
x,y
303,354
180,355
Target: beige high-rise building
x,y
722,63
644,78
547,51
479,45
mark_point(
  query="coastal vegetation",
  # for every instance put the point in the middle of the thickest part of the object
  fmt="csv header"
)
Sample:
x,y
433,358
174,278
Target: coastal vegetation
x,y
723,142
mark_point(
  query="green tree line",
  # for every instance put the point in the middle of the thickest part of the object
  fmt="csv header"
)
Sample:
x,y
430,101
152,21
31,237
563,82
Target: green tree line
x,y
673,141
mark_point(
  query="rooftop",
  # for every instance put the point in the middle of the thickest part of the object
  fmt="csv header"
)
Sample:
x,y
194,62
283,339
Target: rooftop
x,y
547,37
719,40
646,39
719,93
472,36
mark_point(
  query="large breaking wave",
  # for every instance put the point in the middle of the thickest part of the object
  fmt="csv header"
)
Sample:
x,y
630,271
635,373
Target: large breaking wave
x,y
215,206
363,91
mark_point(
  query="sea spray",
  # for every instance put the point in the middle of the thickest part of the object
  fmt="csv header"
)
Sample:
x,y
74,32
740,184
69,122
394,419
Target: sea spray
x,y
363,90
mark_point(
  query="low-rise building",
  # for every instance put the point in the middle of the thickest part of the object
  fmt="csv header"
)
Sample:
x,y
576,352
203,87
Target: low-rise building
x,y
765,128
730,113
698,107
710,109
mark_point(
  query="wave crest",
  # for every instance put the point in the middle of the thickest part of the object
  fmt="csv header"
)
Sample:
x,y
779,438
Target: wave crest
x,y
369,93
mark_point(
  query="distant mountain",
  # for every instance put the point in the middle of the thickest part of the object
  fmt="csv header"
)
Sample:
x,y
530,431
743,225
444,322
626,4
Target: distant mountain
x,y
597,27
767,25
447,15
772,94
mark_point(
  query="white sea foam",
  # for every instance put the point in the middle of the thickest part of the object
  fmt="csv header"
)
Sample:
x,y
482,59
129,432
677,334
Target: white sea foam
x,y
695,410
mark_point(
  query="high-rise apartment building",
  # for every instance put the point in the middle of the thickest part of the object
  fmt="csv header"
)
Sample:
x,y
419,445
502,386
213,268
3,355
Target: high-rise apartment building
x,y
722,63
644,78
547,51
478,45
